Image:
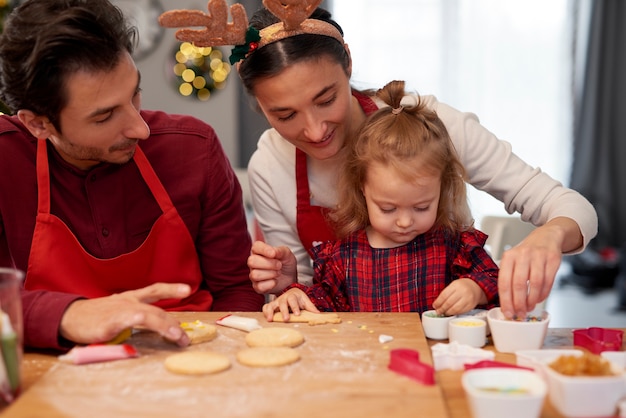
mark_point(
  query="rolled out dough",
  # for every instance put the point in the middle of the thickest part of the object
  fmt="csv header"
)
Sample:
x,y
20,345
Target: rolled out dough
x,y
310,318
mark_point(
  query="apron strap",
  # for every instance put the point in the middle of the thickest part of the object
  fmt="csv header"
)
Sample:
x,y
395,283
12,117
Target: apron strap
x,y
303,196
43,179
151,179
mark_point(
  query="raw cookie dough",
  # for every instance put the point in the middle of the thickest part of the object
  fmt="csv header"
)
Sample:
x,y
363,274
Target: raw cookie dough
x,y
197,362
310,318
274,337
199,331
267,356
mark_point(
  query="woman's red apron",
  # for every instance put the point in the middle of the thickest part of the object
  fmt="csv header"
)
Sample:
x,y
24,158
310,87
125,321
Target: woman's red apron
x,y
311,221
58,262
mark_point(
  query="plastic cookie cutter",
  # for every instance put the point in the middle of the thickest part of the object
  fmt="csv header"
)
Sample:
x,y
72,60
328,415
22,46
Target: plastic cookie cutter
x,y
493,363
597,340
407,362
454,356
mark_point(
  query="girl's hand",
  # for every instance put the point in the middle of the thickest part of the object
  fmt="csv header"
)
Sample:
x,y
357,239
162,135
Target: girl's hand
x,y
459,296
294,299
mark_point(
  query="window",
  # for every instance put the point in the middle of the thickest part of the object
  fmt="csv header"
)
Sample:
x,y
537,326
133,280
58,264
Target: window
x,y
510,62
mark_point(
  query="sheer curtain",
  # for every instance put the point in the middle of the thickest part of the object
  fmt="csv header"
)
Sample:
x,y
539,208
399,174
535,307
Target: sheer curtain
x,y
510,62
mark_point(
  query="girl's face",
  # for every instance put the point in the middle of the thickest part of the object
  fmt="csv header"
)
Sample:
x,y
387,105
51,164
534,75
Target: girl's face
x,y
399,210
309,104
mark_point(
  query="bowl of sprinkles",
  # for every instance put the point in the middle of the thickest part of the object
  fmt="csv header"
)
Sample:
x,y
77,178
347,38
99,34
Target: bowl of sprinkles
x,y
510,335
435,325
496,392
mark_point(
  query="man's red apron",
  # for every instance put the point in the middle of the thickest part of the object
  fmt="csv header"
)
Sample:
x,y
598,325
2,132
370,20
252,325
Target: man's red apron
x,y
311,221
58,262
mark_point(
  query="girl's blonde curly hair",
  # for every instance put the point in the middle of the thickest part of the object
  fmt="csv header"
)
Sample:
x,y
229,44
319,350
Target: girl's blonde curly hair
x,y
410,139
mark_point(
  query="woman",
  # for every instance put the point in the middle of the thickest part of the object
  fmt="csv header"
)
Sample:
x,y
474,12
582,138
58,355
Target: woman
x,y
299,74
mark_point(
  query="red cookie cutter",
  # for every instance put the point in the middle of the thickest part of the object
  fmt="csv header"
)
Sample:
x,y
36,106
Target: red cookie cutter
x,y
492,363
597,340
407,362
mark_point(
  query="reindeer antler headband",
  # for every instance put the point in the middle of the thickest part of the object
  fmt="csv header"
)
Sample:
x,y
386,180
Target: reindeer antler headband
x,y
293,15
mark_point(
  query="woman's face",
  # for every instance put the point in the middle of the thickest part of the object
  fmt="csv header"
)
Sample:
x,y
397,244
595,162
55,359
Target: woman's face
x,y
309,104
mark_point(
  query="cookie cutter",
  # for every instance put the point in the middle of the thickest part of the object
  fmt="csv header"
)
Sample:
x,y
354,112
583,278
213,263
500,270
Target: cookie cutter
x,y
483,364
597,340
454,356
407,362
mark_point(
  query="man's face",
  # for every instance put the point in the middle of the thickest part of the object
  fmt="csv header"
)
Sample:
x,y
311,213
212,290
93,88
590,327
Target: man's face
x,y
101,122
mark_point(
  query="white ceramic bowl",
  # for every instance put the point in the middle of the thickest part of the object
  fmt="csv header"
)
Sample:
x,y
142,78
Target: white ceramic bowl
x,y
585,396
476,313
469,331
511,335
435,326
495,392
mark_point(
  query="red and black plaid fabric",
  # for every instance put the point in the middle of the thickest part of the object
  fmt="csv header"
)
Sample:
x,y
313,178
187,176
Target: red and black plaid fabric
x,y
350,275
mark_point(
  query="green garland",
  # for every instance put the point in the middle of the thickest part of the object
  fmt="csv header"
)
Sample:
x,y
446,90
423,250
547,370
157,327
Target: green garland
x,y
5,9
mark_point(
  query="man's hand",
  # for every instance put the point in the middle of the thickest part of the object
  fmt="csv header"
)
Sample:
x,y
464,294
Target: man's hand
x,y
88,321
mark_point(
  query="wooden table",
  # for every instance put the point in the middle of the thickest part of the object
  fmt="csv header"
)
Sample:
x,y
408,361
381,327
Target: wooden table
x,y
343,372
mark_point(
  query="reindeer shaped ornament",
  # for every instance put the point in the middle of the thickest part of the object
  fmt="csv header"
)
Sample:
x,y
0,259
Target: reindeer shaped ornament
x,y
293,15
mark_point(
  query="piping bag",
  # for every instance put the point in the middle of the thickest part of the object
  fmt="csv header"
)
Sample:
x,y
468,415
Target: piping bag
x,y
242,323
95,353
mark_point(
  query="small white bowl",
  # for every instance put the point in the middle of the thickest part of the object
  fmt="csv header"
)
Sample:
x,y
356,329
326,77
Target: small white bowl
x,y
585,396
469,331
511,335
435,326
496,392
476,313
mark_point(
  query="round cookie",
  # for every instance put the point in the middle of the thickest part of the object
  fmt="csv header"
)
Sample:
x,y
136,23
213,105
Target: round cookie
x,y
274,337
199,332
267,356
197,362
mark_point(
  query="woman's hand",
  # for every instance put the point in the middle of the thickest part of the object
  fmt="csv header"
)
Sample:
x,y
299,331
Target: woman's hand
x,y
272,269
99,320
528,270
294,299
459,296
